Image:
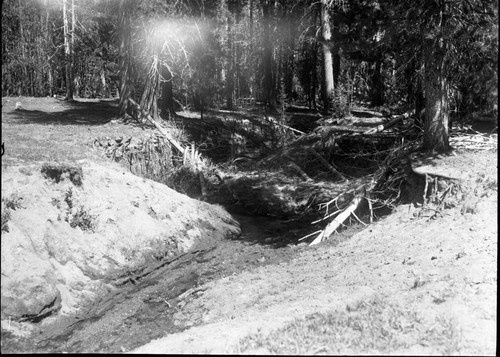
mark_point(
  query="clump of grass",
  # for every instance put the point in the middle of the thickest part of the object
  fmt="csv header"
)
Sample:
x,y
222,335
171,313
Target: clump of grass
x,y
371,326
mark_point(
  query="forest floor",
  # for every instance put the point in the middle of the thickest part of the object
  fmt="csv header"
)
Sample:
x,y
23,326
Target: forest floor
x,y
414,282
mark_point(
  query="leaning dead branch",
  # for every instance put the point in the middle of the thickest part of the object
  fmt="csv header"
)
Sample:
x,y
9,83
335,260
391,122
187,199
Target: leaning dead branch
x,y
169,137
275,122
338,221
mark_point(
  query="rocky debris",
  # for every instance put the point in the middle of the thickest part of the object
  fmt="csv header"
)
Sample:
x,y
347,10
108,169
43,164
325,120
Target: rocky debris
x,y
66,243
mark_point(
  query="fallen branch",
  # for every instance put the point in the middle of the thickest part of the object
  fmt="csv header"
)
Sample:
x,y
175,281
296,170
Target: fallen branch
x,y
335,224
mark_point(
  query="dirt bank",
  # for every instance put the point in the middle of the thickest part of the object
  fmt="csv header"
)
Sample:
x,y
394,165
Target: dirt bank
x,y
442,267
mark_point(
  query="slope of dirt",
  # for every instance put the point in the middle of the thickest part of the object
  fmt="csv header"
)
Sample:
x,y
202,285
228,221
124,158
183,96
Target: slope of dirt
x,y
67,237
443,267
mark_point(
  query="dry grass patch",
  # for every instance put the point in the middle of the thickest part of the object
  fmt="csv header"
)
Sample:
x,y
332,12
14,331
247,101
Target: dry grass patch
x,y
374,326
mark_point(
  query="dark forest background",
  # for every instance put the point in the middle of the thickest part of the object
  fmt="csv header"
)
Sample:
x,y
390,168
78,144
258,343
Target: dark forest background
x,y
433,57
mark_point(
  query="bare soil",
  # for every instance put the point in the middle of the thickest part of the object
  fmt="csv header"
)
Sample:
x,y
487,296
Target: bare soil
x,y
439,265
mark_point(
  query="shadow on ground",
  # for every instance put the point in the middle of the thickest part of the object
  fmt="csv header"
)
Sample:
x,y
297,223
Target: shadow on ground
x,y
73,113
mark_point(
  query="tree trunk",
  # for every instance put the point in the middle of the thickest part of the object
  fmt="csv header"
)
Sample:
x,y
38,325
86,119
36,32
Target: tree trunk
x,y
377,87
126,68
252,80
51,82
67,53
328,84
230,66
23,51
269,95
167,94
72,47
436,97
314,76
150,95
336,68
289,57
419,103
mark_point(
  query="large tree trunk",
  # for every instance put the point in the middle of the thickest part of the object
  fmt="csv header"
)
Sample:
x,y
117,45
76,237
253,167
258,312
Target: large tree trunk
x,y
436,96
67,52
328,83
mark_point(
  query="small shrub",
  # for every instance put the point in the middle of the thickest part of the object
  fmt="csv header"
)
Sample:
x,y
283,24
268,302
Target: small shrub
x,y
11,203
5,220
186,181
82,219
14,202
68,198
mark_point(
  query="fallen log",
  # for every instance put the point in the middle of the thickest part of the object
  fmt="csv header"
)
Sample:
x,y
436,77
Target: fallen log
x,y
389,124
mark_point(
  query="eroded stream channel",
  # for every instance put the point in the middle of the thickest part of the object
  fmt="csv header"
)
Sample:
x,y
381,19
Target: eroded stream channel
x,y
150,303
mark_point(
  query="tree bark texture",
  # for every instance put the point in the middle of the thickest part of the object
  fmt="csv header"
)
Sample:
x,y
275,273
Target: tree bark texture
x,y
328,83
149,99
436,97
